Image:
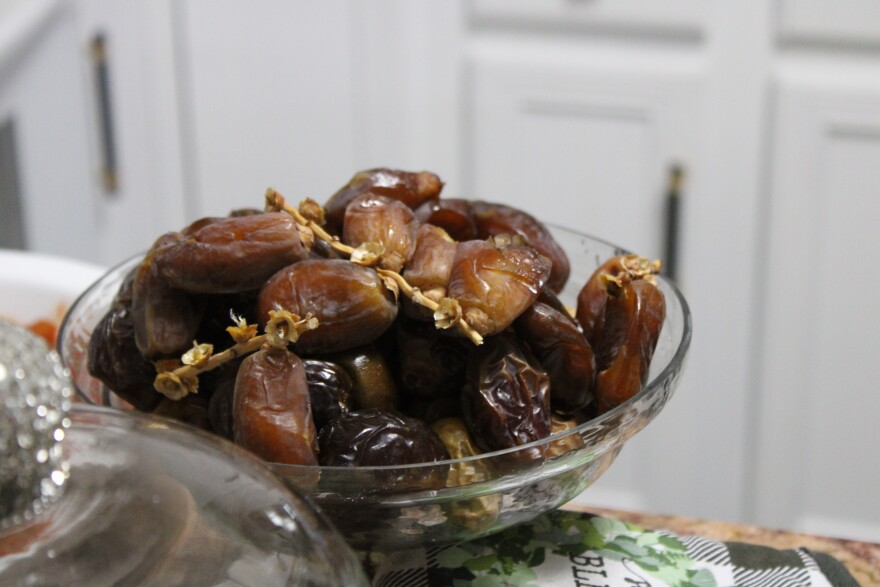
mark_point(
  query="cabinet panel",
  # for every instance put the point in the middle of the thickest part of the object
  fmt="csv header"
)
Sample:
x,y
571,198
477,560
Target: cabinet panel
x,y
586,144
680,17
267,103
842,21
818,389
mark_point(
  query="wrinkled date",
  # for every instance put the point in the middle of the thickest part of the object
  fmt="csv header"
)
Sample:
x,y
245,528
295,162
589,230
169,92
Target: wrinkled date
x,y
495,280
376,437
410,188
506,398
564,353
271,411
495,219
626,339
377,219
351,304
431,263
228,255
453,215
330,390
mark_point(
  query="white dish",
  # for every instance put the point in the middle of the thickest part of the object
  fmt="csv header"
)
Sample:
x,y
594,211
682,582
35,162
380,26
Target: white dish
x,y
35,286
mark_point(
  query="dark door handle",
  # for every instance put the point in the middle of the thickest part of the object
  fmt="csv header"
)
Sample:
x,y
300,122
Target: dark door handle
x,y
109,170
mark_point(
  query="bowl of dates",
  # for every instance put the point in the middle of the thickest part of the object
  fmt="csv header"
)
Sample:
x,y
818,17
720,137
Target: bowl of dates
x,y
428,369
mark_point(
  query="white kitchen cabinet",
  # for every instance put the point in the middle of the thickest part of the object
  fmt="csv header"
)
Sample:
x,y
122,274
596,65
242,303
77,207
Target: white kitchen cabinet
x,y
818,465
46,172
843,22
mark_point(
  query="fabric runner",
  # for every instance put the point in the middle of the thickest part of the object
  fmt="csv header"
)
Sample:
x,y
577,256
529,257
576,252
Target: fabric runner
x,y
570,549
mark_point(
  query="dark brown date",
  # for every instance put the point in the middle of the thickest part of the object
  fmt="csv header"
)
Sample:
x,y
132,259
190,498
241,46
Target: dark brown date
x,y
351,303
506,397
220,409
453,215
192,410
380,438
271,411
626,339
377,219
429,363
495,280
114,358
165,319
330,390
565,354
229,255
494,219
410,188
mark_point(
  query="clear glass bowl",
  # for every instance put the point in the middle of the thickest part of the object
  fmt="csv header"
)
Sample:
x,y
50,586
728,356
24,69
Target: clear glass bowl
x,y
375,508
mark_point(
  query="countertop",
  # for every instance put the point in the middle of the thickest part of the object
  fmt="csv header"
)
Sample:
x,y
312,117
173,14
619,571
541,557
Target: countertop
x,y
861,558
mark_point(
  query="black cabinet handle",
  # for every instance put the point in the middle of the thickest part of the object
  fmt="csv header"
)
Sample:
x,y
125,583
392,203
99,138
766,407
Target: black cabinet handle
x,y
109,172
673,221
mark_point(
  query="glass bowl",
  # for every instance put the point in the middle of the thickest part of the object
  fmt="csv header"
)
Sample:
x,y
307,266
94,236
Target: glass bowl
x,y
383,508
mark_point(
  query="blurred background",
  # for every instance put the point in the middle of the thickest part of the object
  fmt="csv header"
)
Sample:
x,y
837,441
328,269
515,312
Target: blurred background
x,y
123,119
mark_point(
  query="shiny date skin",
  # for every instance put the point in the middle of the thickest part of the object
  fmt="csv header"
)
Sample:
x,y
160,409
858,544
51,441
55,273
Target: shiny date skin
x,y
371,376
431,263
506,397
454,215
626,340
166,320
557,342
594,293
113,357
352,305
494,219
271,409
376,437
330,390
229,255
377,219
495,280
411,188
429,363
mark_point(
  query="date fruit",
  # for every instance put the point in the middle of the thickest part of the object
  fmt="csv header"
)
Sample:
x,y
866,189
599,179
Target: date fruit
x,y
377,219
271,409
229,255
495,280
352,305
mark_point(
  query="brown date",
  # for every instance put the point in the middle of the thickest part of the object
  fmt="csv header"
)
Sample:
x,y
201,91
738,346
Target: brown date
x,y
408,187
220,409
494,219
271,411
330,390
377,219
431,263
192,410
565,354
567,443
593,295
453,215
506,397
229,255
495,280
351,303
626,339
372,379
113,357
165,319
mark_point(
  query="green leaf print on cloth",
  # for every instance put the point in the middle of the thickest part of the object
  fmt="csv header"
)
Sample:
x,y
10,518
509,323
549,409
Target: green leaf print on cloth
x,y
569,549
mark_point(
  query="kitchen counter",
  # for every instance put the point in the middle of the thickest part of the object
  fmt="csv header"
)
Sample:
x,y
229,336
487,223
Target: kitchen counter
x,y
862,559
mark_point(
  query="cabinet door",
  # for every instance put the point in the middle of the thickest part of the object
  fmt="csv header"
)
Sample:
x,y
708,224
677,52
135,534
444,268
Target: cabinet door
x,y
133,122
843,22
819,401
45,179
585,141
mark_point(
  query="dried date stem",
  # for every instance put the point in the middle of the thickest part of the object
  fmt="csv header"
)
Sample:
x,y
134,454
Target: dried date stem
x,y
283,327
446,314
